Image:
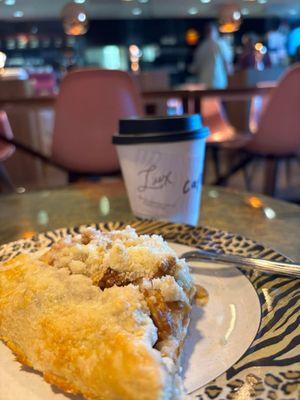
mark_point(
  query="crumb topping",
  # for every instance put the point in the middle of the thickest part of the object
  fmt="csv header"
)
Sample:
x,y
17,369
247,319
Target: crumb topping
x,y
118,257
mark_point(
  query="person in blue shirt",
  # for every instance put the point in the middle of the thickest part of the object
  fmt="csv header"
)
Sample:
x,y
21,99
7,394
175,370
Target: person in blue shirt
x,y
212,60
294,41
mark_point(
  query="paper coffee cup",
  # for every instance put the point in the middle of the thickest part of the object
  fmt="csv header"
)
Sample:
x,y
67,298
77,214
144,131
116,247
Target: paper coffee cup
x,y
162,163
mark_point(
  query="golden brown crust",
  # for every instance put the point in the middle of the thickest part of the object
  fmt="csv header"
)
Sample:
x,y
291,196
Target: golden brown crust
x,y
20,355
102,344
62,384
83,340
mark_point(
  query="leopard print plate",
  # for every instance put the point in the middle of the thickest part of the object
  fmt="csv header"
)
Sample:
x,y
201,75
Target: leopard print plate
x,y
270,368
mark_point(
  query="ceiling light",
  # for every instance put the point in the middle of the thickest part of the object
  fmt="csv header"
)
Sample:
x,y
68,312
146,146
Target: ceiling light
x,y
74,19
230,19
10,2
192,37
193,11
18,14
143,1
205,1
236,15
2,60
136,11
81,17
79,1
262,1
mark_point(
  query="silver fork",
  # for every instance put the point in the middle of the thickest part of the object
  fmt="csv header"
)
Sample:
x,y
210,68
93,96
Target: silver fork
x,y
250,264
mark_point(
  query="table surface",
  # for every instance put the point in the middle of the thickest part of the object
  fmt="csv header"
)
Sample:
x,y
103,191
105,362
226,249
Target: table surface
x,y
189,91
23,215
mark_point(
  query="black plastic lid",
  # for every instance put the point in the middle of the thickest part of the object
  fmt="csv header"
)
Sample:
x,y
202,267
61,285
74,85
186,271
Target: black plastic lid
x,y
160,129
170,125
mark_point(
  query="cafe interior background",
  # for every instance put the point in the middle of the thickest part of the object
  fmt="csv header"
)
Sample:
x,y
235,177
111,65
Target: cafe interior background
x,y
156,42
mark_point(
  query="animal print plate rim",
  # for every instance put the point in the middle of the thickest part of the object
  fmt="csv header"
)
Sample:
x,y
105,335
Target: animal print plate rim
x,y
270,368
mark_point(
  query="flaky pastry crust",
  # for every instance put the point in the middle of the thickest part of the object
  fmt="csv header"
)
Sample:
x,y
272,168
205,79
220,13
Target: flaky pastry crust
x,y
104,314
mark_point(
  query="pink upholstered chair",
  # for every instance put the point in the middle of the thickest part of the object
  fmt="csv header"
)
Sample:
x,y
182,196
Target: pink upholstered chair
x,y
258,105
222,133
278,132
88,108
221,130
214,117
6,150
223,136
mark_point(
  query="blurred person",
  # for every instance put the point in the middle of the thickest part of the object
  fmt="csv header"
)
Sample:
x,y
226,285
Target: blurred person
x,y
247,57
213,60
294,41
296,56
277,43
252,57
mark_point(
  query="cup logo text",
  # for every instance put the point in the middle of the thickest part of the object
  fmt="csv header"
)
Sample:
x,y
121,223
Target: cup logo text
x,y
153,179
192,184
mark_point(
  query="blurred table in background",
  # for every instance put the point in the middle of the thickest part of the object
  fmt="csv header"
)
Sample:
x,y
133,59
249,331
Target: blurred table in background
x,y
32,119
191,99
32,126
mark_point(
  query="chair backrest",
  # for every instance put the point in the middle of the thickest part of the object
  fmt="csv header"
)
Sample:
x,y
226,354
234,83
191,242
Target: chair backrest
x,y
278,132
214,116
88,108
258,105
6,150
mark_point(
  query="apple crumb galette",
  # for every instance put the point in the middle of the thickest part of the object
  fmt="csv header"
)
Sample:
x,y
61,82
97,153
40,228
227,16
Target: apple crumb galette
x,y
103,314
